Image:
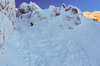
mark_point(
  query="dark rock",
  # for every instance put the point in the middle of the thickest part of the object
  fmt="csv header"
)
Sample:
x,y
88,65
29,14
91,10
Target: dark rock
x,y
78,19
95,19
75,11
68,9
57,14
71,28
64,6
77,23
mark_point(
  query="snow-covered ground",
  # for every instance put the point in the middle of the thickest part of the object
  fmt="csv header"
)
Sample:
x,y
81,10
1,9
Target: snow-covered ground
x,y
68,39
12,57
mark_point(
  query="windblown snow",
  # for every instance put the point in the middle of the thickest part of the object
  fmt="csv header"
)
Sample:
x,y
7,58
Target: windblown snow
x,y
60,36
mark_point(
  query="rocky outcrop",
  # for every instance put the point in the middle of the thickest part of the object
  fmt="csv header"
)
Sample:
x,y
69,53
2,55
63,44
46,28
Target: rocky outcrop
x,y
70,14
94,15
26,8
8,8
7,21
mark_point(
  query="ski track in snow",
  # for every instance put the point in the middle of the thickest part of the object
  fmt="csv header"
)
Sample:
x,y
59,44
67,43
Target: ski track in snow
x,y
43,48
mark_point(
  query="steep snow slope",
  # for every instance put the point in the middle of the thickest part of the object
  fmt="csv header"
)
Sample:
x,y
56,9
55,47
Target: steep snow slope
x,y
7,8
12,57
6,30
59,37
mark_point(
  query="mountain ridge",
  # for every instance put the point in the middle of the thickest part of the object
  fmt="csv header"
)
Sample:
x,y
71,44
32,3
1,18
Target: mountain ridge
x,y
59,36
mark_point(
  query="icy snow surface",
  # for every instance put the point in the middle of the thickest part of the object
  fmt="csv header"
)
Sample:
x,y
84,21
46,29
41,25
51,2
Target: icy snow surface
x,y
56,40
6,30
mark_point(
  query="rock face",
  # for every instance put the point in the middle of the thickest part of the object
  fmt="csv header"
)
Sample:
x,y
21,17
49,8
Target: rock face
x,y
8,18
94,15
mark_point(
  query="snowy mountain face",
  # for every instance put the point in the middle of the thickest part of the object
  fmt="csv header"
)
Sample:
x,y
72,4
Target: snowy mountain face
x,y
26,8
70,15
7,20
60,36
